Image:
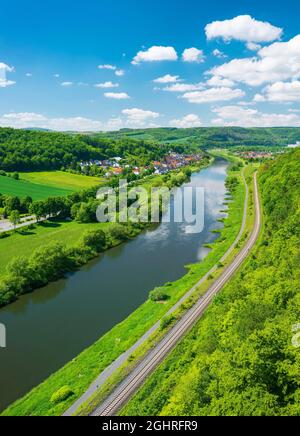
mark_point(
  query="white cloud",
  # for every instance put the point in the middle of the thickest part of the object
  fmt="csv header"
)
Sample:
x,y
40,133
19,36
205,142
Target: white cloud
x,y
56,75
27,119
278,62
107,67
193,55
258,98
66,84
243,28
28,75
213,95
184,87
167,79
219,54
219,81
107,85
186,122
117,95
4,69
282,92
156,53
252,46
119,73
238,116
139,117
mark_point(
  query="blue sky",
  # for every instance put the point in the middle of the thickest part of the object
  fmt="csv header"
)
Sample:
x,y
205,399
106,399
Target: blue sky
x,y
92,65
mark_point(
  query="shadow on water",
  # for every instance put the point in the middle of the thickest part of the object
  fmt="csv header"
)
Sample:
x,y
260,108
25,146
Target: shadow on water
x,y
51,326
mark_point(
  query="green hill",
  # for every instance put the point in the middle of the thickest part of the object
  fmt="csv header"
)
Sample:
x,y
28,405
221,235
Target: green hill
x,y
240,359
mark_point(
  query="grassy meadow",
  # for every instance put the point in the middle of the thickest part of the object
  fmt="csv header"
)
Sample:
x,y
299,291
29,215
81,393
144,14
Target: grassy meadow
x,y
22,188
60,179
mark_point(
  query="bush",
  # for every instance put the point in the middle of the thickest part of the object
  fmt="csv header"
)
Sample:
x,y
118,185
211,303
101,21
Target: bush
x,y
158,295
95,240
166,321
61,395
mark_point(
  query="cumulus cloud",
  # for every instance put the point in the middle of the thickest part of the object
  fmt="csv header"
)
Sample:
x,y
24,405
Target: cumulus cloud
x,y
167,79
238,116
184,87
138,117
4,69
66,84
186,122
219,54
106,85
281,92
243,28
213,95
278,62
219,81
155,54
117,95
193,55
252,46
107,67
28,119
119,73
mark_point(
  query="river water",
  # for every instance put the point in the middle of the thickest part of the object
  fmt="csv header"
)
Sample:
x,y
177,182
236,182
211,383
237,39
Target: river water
x,y
52,325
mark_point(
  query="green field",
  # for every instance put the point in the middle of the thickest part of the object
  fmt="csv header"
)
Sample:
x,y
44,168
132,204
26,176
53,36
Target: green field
x,y
23,243
59,179
22,188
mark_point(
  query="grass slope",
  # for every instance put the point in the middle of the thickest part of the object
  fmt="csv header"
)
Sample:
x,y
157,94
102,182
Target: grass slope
x,y
21,188
79,373
60,179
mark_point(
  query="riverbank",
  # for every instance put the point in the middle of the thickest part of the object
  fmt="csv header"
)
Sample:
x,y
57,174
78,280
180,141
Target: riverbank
x,y
79,373
17,278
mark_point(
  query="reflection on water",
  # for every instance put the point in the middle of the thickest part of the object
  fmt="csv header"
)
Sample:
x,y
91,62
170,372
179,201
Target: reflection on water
x,y
52,325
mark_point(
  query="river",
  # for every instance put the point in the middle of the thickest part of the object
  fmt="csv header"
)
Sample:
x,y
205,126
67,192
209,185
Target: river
x,y
52,325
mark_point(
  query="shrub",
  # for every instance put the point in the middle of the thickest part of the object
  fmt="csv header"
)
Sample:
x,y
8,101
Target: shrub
x,y
61,395
166,321
95,240
158,295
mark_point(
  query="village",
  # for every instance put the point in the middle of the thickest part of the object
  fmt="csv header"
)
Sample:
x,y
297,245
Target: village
x,y
116,166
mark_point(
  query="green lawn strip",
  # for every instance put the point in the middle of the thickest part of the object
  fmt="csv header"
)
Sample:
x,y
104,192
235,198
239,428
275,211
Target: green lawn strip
x,y
160,385
58,179
22,188
24,241
79,373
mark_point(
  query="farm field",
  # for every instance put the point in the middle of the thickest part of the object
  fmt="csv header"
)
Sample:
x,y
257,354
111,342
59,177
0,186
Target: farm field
x,y
60,179
24,243
22,188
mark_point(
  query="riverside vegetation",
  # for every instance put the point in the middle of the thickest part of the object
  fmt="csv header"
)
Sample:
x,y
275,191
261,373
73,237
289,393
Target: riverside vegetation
x,y
239,359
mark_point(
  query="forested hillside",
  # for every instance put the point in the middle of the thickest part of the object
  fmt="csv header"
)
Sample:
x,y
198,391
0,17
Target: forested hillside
x,y
27,150
241,359
211,137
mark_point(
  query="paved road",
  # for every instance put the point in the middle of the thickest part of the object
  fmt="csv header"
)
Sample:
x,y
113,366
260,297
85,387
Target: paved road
x,y
123,357
6,226
134,380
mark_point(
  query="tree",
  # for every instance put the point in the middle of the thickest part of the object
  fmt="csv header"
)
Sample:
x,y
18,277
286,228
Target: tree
x,y
95,240
14,218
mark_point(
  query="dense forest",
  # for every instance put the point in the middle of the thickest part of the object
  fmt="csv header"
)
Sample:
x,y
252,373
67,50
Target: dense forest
x,y
243,357
210,137
27,150
30,150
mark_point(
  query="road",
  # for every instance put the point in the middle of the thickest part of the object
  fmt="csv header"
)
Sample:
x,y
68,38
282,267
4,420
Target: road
x,y
133,381
102,378
6,226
